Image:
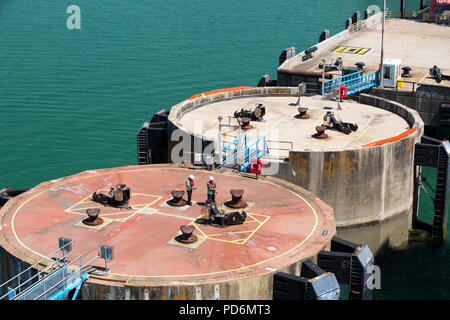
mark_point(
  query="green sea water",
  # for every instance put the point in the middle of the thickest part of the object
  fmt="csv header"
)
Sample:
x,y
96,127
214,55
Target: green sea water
x,y
73,100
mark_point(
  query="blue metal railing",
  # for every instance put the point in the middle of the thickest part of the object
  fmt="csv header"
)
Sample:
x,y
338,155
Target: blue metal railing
x,y
230,152
256,150
53,282
56,285
354,82
234,145
17,284
232,156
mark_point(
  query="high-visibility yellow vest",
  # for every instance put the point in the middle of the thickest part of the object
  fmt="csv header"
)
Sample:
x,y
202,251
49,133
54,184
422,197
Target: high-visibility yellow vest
x,y
189,184
211,187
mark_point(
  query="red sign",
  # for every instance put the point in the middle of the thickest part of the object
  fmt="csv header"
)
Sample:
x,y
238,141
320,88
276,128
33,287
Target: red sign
x,y
342,92
256,166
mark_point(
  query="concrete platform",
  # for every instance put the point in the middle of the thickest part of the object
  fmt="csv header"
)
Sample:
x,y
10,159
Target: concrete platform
x,y
285,132
419,45
285,224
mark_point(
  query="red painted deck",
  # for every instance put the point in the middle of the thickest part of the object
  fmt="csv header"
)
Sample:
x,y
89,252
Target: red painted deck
x,y
283,225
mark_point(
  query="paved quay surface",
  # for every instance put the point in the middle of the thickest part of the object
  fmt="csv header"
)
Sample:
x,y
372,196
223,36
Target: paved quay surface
x,y
285,132
419,45
285,224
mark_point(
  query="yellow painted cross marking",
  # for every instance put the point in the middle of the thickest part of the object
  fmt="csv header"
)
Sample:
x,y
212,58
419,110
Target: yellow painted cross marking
x,y
351,50
251,231
87,203
114,276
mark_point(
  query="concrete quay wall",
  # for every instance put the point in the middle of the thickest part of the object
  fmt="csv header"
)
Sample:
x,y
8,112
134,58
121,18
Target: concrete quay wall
x,y
198,142
247,288
11,266
368,186
287,77
426,100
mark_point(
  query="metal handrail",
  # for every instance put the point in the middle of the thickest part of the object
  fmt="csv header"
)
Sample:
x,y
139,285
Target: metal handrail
x,y
354,82
228,160
257,152
281,141
437,17
359,25
35,266
65,278
235,142
46,290
330,85
232,154
360,83
414,84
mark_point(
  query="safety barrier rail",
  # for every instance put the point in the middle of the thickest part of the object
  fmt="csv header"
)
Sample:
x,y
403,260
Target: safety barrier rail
x,y
401,84
330,85
359,25
397,14
41,272
354,82
61,281
256,150
361,83
436,18
230,152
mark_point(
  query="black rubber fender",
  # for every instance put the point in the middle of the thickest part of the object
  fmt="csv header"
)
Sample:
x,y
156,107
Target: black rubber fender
x,y
11,193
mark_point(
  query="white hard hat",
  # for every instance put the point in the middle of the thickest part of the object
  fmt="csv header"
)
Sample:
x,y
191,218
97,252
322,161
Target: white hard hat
x,y
211,178
191,177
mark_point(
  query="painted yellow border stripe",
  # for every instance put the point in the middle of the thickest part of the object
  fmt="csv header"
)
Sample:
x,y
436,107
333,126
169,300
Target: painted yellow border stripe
x,y
167,276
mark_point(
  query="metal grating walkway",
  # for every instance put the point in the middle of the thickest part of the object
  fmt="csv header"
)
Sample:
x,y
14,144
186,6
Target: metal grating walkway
x,y
354,82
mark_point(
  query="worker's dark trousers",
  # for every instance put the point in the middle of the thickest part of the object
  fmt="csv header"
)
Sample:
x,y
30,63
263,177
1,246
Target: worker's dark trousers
x,y
212,197
189,193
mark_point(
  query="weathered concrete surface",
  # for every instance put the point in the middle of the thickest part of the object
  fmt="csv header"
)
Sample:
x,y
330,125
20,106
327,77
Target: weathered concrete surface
x,y
426,99
10,266
285,225
419,45
249,288
391,233
282,129
365,186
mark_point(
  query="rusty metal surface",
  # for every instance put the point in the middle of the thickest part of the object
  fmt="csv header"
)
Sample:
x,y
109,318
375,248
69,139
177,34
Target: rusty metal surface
x,y
236,199
187,235
320,134
177,200
245,123
302,113
93,218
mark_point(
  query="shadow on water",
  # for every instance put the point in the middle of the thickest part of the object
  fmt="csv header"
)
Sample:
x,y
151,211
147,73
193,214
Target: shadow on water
x,y
419,271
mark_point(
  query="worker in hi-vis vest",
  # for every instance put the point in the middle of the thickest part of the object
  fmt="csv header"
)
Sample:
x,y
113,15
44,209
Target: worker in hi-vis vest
x,y
211,190
189,188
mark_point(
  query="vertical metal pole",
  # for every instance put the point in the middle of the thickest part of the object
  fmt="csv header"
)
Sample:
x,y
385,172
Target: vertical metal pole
x,y
18,278
382,44
220,144
339,89
323,79
402,8
415,197
240,146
